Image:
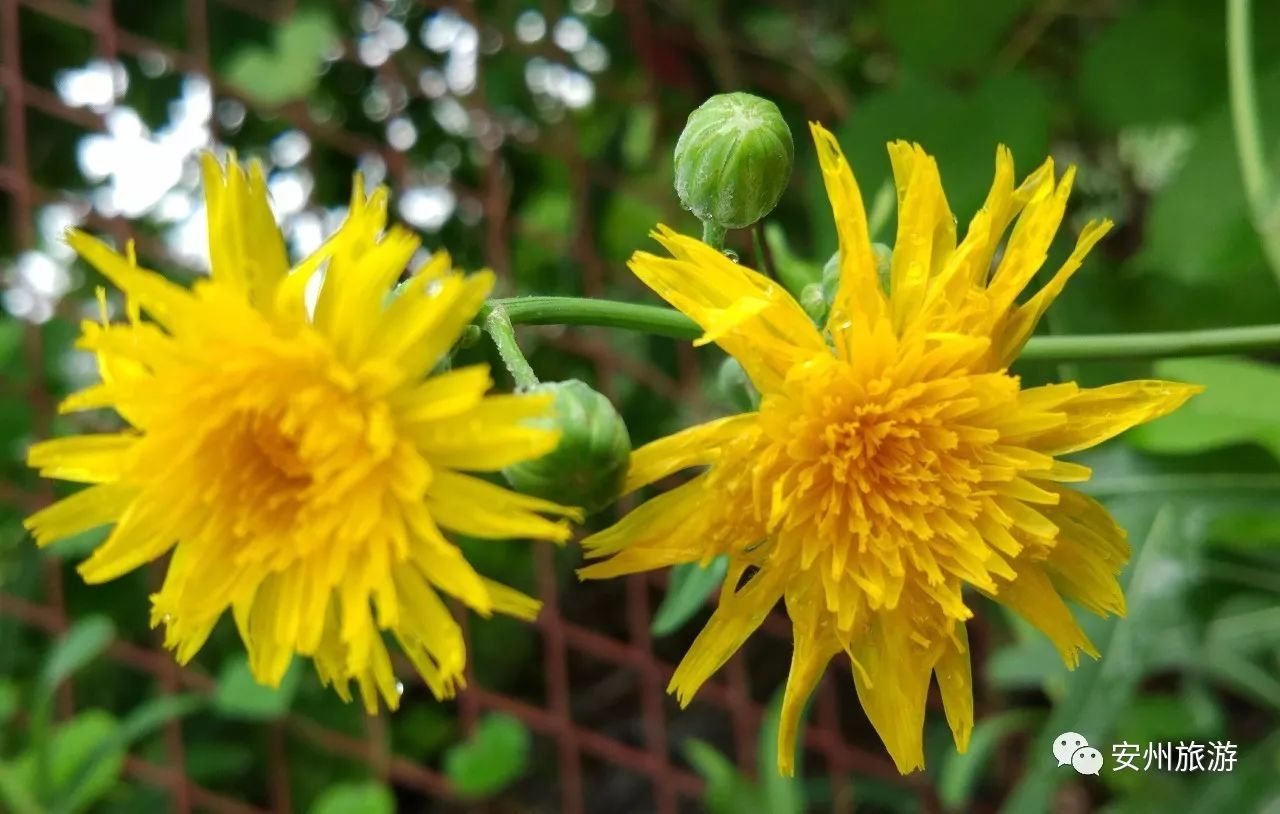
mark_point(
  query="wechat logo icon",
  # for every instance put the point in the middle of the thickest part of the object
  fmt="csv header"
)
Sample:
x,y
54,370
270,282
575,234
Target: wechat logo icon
x,y
1072,749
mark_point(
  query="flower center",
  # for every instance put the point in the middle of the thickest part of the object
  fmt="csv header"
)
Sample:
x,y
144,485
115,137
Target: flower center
x,y
278,456
871,477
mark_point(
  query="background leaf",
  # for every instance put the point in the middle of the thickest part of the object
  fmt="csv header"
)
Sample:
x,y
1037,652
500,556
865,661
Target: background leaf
x,y
82,643
495,755
691,585
239,695
355,798
1238,406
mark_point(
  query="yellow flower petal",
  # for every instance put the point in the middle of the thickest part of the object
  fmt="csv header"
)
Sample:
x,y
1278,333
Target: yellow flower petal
x,y
955,681
512,602
494,433
893,686
1098,414
815,645
166,302
1023,321
83,458
86,509
246,249
926,230
859,297
666,530
444,396
737,616
747,314
481,509
1033,598
692,447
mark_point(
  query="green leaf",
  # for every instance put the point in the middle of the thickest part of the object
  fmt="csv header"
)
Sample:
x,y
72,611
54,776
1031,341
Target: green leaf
x,y
1251,786
1235,672
16,415
1246,529
638,136
83,643
78,546
1199,230
961,772
1245,624
496,754
9,700
624,223
781,795
355,798
691,584
15,791
75,754
1099,691
924,32
11,332
1159,718
80,790
1179,41
288,71
1237,406
1024,665
727,791
794,271
239,695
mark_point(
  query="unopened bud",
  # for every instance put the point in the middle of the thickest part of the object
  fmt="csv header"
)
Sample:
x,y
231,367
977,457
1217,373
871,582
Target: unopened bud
x,y
589,465
735,388
733,160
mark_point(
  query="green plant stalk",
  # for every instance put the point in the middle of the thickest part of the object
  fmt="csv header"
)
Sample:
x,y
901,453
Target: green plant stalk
x,y
1245,122
498,325
713,235
656,319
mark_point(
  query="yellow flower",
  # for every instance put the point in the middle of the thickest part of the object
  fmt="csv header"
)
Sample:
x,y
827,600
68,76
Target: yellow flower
x,y
893,460
300,466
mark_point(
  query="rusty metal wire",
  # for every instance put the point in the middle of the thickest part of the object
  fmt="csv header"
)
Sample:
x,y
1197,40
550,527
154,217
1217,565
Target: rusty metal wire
x,y
583,754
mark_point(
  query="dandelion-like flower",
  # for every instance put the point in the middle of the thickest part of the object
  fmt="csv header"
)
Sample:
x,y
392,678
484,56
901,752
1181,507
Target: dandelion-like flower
x,y
894,460
300,465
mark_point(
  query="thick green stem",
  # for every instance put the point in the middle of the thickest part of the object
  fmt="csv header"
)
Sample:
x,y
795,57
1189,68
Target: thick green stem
x,y
497,324
713,235
1258,187
662,321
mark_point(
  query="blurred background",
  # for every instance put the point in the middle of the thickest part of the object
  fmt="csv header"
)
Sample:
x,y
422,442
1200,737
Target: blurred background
x,y
536,138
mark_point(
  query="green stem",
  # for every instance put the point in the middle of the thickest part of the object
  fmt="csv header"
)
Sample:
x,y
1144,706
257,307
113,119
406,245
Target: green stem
x,y
713,235
1248,129
662,321
497,324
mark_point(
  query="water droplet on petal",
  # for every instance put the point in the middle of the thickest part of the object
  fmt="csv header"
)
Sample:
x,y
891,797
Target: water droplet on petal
x,y
731,254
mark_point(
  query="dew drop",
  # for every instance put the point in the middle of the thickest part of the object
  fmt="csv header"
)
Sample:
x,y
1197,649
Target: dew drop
x,y
399,688
731,254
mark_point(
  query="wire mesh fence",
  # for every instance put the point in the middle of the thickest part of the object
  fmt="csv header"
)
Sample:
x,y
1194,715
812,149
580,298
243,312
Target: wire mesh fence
x,y
457,159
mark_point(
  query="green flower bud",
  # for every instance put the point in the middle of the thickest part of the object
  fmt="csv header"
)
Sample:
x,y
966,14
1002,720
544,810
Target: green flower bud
x,y
734,388
816,298
733,160
815,302
589,465
884,263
